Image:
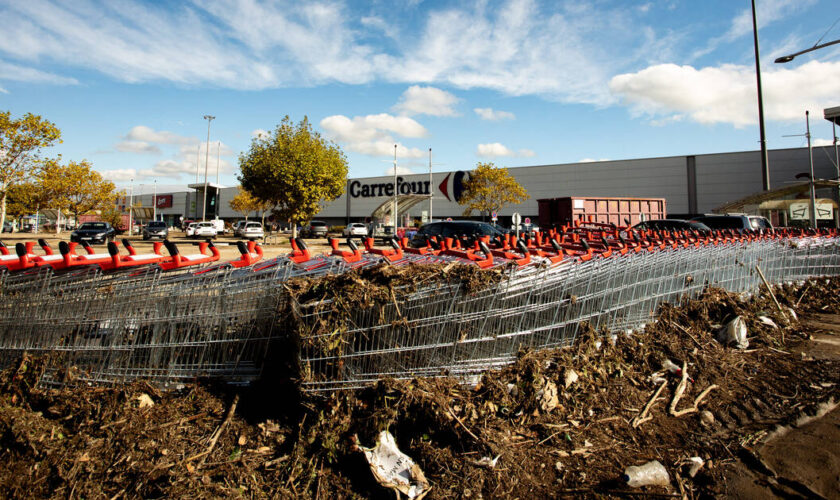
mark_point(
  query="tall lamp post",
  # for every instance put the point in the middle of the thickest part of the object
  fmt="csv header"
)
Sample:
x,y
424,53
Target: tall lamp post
x,y
131,209
206,162
765,167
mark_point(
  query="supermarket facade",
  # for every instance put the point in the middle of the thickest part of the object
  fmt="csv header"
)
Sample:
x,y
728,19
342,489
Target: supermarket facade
x,y
691,184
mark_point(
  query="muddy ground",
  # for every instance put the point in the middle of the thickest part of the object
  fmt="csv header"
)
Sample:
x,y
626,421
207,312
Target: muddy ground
x,y
554,424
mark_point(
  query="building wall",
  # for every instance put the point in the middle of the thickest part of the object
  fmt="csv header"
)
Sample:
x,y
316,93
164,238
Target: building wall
x,y
707,180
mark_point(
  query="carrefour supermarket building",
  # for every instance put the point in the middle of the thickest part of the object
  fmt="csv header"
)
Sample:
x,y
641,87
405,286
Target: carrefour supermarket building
x,y
691,184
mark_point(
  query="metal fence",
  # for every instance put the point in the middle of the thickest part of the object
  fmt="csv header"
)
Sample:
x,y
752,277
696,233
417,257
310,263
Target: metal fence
x,y
221,322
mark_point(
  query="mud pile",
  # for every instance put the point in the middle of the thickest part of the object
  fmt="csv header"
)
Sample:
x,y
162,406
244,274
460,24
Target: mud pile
x,y
555,423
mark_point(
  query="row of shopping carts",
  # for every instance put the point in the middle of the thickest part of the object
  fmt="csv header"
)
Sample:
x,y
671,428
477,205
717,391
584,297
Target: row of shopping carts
x,y
171,318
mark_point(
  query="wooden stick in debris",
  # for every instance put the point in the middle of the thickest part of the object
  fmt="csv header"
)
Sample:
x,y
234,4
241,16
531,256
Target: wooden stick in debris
x,y
770,289
773,296
803,295
220,430
642,417
672,409
697,401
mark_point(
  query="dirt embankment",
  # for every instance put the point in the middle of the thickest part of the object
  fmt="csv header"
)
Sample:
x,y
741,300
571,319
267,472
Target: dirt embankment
x,y
555,423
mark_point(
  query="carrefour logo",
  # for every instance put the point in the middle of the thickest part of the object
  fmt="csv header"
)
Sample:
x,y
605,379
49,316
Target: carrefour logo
x,y
451,187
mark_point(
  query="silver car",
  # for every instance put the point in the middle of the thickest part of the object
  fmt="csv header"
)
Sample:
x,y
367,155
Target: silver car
x,y
252,231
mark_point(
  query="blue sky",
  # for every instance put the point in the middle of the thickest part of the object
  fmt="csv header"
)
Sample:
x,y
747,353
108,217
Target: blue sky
x,y
515,82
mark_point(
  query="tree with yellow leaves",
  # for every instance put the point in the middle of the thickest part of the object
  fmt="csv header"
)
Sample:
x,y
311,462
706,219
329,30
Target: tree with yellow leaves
x,y
76,187
21,140
294,169
489,189
245,203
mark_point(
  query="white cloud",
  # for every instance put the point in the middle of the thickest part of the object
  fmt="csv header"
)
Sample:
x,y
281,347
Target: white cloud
x,y
120,174
417,100
371,134
497,150
727,94
565,52
817,143
3,91
400,170
491,114
767,12
17,73
140,147
147,134
590,160
260,133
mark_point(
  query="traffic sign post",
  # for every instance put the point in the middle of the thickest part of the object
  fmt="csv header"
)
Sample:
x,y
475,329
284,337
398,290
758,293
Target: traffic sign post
x,y
516,219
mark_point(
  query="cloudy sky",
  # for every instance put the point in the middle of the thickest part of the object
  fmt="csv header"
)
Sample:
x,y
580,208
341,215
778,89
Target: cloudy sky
x,y
517,82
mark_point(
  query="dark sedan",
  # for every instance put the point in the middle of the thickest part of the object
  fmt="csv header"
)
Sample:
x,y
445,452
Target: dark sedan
x,y
94,232
672,225
454,229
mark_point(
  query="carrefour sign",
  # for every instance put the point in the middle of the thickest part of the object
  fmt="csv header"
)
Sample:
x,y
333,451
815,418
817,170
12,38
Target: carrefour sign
x,y
455,186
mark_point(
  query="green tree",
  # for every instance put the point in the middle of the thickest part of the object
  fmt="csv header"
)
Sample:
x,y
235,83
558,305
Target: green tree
x,y
489,189
76,187
21,141
294,170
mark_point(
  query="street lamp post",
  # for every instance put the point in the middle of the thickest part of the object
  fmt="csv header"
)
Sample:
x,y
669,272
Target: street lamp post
x,y
811,161
765,168
790,57
206,162
131,208
154,202
396,203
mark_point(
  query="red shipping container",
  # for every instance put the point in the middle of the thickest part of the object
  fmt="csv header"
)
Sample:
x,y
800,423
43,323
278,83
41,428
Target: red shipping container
x,y
618,211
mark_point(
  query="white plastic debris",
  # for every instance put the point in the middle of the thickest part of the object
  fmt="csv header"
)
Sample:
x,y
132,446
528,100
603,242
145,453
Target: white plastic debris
x,y
650,474
767,321
792,314
734,333
488,462
547,396
671,367
144,401
394,469
694,465
570,378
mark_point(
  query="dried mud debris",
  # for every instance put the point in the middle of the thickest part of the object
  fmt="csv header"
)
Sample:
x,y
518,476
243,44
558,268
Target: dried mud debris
x,y
553,424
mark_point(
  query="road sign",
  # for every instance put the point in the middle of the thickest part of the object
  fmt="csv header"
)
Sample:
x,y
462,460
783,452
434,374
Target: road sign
x,y
516,218
527,220
494,216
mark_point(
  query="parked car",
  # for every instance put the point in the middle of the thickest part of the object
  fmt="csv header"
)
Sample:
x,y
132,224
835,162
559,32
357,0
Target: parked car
x,y
94,232
315,229
155,229
205,230
734,221
190,229
671,225
356,229
452,229
251,231
237,227
7,227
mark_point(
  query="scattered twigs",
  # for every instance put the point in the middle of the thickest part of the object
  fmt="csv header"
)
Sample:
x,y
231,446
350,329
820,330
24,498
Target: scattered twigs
x,y
803,295
216,435
775,300
672,409
643,416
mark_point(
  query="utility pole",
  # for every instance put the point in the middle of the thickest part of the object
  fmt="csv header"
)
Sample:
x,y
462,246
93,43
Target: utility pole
x,y
431,185
206,162
396,205
131,209
154,202
765,167
811,161
218,161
